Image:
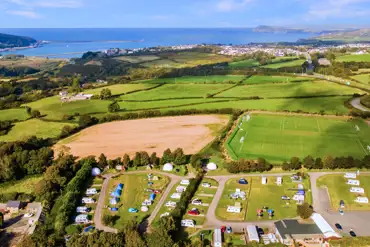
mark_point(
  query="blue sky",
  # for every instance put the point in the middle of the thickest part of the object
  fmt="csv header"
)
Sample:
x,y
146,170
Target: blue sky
x,y
183,13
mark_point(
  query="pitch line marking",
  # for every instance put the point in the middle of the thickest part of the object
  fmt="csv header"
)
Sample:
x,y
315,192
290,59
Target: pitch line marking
x,y
363,149
241,146
318,126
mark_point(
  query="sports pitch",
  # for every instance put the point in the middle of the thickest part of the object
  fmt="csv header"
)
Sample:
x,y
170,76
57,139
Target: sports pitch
x,y
279,137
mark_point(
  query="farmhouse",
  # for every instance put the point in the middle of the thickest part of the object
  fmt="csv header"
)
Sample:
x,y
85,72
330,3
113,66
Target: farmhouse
x,y
353,182
357,190
13,206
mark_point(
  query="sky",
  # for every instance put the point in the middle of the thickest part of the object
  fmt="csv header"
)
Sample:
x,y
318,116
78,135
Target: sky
x,y
183,13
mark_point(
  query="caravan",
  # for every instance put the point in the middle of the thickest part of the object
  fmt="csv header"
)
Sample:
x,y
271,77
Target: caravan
x,y
350,175
87,200
234,209
91,191
217,238
357,190
353,182
362,199
187,223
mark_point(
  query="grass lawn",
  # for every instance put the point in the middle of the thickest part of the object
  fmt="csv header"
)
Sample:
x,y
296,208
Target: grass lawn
x,y
354,58
244,64
14,114
25,185
278,138
262,79
33,127
230,186
165,209
119,88
133,195
339,190
363,78
198,79
269,195
138,59
293,63
171,91
290,90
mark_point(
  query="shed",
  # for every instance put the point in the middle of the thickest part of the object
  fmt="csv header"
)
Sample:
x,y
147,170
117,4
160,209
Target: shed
x,y
95,171
217,238
168,167
252,233
13,206
324,226
211,166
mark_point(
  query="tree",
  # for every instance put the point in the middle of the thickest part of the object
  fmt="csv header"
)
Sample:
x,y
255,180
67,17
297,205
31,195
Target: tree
x,y
329,162
286,166
159,238
154,159
114,107
109,220
305,210
76,88
318,163
102,162
126,160
66,131
144,158
309,162
137,160
86,120
166,157
178,156
35,114
105,93
295,163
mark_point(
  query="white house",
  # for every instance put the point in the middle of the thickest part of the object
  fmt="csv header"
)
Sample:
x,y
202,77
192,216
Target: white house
x,y
217,238
81,209
353,182
279,180
82,218
187,223
361,199
350,175
168,167
185,182
357,190
176,196
170,204
234,209
252,233
91,191
264,180
87,200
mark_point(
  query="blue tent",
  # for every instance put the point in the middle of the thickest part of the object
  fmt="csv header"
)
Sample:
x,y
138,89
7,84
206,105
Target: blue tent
x,y
301,192
152,197
133,210
120,186
116,193
114,209
243,181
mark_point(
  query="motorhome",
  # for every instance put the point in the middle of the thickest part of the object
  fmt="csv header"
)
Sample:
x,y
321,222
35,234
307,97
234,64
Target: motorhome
x,y
353,182
357,190
87,200
187,223
361,199
350,175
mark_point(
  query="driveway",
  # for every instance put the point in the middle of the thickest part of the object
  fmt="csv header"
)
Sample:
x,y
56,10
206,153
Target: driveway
x,y
356,103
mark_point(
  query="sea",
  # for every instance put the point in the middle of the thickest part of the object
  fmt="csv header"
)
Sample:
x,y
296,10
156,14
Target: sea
x,y
73,42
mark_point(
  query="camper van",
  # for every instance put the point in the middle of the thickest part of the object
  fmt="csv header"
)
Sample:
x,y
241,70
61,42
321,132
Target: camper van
x,y
350,175
357,190
82,218
187,223
82,210
185,182
362,199
87,200
353,182
91,191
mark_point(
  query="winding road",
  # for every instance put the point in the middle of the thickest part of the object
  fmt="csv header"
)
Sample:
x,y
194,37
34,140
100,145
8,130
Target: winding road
x,y
356,103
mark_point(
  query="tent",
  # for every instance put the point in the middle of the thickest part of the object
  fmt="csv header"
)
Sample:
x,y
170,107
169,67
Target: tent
x,y
168,167
116,193
120,186
152,197
144,209
114,209
95,171
211,166
114,201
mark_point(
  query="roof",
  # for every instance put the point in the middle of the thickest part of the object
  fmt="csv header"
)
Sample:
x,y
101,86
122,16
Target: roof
x,y
252,233
293,227
324,226
13,204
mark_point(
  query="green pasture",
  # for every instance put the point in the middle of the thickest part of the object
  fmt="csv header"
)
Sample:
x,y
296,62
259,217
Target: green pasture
x,y
25,185
361,71
119,88
133,194
262,79
225,200
198,79
363,78
270,194
339,190
354,58
283,64
33,127
14,114
163,63
317,88
244,64
171,91
277,138
138,59
197,58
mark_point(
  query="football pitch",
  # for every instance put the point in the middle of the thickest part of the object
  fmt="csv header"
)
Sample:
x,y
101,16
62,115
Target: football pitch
x,y
277,138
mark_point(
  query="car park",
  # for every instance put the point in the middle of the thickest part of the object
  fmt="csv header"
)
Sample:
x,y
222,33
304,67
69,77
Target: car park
x,y
338,226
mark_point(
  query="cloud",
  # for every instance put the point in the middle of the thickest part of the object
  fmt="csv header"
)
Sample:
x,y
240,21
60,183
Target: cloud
x,y
230,5
27,14
48,3
337,9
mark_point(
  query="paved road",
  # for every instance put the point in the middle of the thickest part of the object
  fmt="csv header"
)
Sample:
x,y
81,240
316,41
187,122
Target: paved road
x,y
357,104
99,207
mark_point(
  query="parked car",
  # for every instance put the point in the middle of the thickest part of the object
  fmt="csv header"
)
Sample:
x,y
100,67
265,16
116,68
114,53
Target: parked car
x,y
229,229
352,233
223,229
206,185
243,181
285,198
341,212
157,191
196,202
338,226
194,211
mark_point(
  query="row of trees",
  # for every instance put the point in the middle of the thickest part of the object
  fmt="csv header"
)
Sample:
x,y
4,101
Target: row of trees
x,y
5,126
245,166
329,162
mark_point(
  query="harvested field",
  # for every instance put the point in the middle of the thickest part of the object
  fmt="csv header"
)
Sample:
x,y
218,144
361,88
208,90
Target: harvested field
x,y
115,139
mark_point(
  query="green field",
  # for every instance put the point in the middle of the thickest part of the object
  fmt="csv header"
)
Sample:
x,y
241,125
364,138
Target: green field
x,y
33,127
354,58
293,63
25,185
363,78
119,88
270,194
133,194
278,138
339,190
244,64
290,90
138,59
262,79
14,114
198,79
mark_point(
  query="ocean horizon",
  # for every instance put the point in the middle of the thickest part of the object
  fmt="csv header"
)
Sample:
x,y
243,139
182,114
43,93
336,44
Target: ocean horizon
x,y
72,42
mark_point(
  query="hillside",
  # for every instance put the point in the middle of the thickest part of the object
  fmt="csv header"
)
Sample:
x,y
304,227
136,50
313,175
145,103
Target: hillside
x,y
348,36
10,41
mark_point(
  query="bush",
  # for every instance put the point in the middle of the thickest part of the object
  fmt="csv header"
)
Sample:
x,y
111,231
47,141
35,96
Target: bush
x,y
305,210
73,229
